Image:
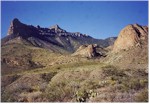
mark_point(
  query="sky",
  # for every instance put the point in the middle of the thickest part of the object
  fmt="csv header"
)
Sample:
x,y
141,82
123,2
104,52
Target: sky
x,y
99,19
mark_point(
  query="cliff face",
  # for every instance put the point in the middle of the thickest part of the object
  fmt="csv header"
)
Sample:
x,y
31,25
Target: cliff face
x,y
130,36
19,29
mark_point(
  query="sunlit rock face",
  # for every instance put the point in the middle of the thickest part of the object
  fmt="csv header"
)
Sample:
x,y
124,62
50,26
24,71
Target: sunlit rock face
x,y
130,36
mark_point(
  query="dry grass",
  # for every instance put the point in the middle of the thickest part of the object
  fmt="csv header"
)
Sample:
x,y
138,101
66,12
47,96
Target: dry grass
x,y
63,78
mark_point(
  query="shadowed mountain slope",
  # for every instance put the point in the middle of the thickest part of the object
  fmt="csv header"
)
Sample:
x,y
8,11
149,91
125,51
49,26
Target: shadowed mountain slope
x,y
53,38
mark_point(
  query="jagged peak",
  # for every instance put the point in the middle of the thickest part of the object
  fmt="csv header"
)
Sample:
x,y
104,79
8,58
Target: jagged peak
x,y
56,27
15,21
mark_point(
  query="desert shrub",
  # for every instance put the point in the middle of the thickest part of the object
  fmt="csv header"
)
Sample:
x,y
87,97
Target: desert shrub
x,y
91,84
125,80
7,97
113,75
134,84
81,95
36,88
112,82
144,82
142,96
131,83
112,71
58,92
48,76
139,72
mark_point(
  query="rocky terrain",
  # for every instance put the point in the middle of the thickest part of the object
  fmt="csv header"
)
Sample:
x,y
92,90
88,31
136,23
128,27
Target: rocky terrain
x,y
53,65
131,48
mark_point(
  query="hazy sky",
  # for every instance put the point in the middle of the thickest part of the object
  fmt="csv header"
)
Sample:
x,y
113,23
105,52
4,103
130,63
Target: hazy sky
x,y
98,19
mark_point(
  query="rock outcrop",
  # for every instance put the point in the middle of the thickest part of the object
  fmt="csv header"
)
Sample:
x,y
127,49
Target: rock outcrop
x,y
130,36
130,50
86,51
13,26
57,29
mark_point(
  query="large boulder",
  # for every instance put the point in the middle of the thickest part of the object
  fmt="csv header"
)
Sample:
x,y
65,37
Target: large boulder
x,y
130,36
86,51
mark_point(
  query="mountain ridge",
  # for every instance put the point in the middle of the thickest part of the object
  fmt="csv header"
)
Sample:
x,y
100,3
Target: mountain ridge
x,y
53,36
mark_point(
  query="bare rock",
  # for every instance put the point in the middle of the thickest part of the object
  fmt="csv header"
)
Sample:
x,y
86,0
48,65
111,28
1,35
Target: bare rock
x,y
130,36
86,51
13,26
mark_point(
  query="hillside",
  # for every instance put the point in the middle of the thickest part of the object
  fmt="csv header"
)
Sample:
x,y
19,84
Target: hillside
x,y
24,43
53,65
